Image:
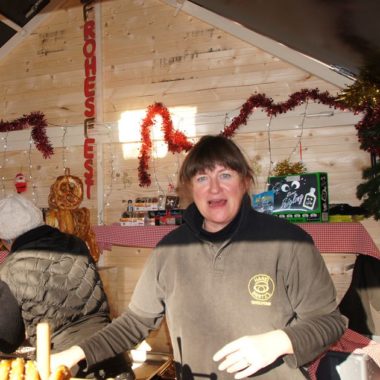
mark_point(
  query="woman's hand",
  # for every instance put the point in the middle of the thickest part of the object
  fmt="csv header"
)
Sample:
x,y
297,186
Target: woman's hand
x,y
69,358
247,355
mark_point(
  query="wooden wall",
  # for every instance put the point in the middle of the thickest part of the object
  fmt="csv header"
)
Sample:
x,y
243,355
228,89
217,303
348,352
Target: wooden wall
x,y
149,53
152,53
120,270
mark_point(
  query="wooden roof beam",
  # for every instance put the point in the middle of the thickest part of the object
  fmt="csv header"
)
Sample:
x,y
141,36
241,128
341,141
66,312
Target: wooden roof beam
x,y
28,28
5,20
304,62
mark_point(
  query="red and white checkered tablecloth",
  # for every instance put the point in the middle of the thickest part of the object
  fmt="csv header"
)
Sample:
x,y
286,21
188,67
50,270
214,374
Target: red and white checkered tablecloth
x,y
131,236
345,237
3,255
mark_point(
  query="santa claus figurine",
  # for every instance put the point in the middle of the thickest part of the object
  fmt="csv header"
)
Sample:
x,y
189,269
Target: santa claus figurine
x,y
20,183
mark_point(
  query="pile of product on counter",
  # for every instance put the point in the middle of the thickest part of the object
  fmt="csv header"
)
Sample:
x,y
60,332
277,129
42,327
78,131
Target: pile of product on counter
x,y
302,198
152,211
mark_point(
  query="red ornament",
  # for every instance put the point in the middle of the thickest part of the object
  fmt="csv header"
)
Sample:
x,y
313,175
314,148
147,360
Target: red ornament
x,y
20,183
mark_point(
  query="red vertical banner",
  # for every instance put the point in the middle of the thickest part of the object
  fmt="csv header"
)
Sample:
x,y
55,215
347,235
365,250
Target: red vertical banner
x,y
89,90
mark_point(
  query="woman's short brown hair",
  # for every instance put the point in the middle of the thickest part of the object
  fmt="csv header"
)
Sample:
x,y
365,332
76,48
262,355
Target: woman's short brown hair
x,y
210,151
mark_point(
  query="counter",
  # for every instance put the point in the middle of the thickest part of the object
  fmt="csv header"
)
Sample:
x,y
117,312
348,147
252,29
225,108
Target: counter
x,y
341,237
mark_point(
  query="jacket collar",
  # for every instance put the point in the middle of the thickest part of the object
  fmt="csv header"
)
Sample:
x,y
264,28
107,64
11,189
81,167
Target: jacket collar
x,y
49,239
194,219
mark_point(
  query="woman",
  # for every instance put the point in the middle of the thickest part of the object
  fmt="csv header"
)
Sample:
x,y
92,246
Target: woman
x,y
243,293
54,279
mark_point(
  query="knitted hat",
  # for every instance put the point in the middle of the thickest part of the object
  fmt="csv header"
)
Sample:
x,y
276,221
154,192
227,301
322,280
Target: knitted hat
x,y
17,216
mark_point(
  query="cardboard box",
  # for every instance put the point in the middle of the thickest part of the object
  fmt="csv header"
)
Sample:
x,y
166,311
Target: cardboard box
x,y
301,198
263,202
147,204
167,217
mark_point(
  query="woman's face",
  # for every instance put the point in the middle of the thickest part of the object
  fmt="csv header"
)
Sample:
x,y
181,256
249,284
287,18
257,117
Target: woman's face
x,y
218,193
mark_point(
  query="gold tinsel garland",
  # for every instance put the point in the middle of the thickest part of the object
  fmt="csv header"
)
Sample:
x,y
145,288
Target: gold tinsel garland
x,y
286,167
362,92
365,93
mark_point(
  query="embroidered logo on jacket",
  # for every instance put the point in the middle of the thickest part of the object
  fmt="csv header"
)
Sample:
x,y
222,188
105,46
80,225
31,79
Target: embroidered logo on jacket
x,y
261,288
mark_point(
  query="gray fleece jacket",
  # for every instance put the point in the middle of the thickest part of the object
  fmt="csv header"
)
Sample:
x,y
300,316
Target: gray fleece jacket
x,y
267,275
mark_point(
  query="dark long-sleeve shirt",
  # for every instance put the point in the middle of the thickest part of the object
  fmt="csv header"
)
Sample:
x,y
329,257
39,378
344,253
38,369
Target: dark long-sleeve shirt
x,y
12,331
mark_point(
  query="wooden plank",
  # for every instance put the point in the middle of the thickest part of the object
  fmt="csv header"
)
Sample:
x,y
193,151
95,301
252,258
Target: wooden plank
x,y
340,267
188,63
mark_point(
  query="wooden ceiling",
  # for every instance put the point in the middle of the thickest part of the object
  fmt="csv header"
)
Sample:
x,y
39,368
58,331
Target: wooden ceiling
x,y
18,18
343,35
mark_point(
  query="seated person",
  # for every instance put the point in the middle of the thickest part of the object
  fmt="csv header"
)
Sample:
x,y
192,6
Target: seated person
x,y
12,331
361,303
54,279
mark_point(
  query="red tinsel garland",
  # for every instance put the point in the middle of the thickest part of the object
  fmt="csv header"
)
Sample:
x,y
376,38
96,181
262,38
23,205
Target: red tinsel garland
x,y
369,140
177,142
273,109
37,121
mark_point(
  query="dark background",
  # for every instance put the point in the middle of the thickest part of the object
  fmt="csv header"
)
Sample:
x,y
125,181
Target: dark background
x,y
343,34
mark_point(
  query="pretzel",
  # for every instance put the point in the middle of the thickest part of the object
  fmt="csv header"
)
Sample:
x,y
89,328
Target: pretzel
x,y
17,369
61,373
66,221
5,367
51,218
21,369
65,196
81,218
31,372
51,199
93,245
67,191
